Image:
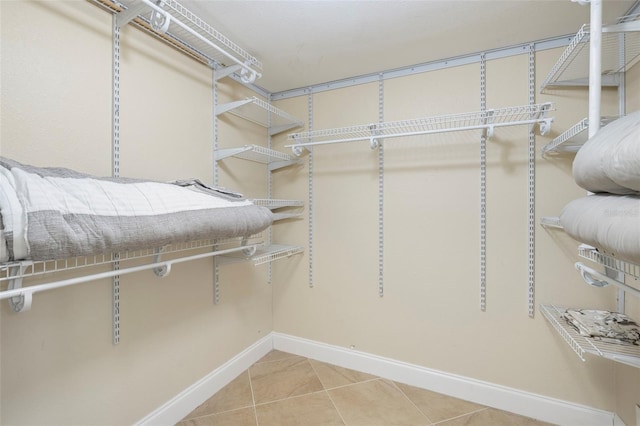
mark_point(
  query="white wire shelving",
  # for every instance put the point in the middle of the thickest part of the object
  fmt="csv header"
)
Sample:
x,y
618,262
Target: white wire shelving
x,y
581,345
590,253
551,222
572,140
487,120
276,204
177,25
262,113
20,297
259,154
263,254
620,52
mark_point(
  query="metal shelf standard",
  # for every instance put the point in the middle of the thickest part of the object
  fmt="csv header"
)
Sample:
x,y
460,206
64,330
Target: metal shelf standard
x,y
171,21
626,354
259,154
488,120
620,51
262,113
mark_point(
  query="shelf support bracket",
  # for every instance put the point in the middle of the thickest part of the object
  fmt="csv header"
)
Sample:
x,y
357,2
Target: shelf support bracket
x,y
596,279
225,72
128,15
165,269
23,302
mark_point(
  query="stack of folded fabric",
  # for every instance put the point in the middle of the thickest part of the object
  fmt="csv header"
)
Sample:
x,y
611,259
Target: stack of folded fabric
x,y
607,326
608,165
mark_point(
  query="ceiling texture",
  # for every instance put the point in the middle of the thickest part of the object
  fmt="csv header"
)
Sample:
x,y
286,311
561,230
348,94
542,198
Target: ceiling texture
x,y
305,43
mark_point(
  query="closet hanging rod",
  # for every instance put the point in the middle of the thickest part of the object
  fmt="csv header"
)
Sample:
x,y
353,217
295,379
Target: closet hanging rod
x,y
596,279
161,20
481,120
22,297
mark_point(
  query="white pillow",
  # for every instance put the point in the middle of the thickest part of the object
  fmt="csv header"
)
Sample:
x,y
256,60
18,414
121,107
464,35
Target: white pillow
x,y
608,162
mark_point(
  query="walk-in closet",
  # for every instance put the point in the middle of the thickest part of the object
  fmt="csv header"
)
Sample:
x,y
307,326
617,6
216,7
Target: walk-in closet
x,y
320,212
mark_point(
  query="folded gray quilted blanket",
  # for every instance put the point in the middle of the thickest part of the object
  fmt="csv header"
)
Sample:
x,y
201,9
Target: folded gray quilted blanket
x,y
56,213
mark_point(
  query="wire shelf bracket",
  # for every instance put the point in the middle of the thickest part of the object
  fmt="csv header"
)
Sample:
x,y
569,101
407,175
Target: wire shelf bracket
x,y
484,120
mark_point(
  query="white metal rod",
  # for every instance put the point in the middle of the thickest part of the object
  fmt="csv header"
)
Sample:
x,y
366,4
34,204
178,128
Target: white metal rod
x,y
595,66
419,132
601,277
202,38
80,280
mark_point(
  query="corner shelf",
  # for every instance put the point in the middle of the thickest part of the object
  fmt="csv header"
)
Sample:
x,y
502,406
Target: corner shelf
x,y
264,254
262,113
572,68
572,140
274,159
581,345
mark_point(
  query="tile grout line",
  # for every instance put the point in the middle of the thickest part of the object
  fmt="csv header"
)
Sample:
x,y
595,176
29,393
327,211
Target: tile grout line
x,y
328,394
462,415
253,397
411,402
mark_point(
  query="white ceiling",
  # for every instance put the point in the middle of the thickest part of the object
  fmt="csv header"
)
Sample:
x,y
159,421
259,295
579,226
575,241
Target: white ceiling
x,y
304,43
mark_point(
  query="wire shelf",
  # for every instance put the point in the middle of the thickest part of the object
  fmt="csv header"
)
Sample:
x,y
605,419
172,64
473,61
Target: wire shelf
x,y
171,20
262,113
277,203
572,68
264,254
259,154
581,345
551,222
590,253
489,119
573,139
37,268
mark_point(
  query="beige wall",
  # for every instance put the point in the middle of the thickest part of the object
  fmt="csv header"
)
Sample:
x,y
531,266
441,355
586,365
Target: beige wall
x,y
57,361
430,313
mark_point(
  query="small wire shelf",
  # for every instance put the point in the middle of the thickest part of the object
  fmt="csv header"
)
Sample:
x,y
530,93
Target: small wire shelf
x,y
620,52
259,154
262,113
572,140
590,253
489,119
277,203
551,222
264,254
581,345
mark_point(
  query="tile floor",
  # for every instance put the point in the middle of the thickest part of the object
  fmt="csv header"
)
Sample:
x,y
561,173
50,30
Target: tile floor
x,y
283,389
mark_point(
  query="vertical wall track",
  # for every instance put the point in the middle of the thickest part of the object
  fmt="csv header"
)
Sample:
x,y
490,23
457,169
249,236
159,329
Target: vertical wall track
x,y
116,169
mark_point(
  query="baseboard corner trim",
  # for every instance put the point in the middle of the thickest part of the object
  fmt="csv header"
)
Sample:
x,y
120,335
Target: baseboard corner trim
x,y
186,401
489,394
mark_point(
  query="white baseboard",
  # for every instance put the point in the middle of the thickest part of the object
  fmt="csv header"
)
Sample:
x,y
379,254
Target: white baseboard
x,y
501,397
188,400
504,398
